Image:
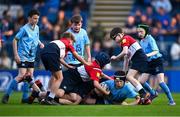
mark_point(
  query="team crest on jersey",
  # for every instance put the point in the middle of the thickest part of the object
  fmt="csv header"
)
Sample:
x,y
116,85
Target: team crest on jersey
x,y
98,75
123,41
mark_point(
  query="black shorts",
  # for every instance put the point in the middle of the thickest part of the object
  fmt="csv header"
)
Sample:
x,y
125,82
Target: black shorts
x,y
26,65
139,61
73,83
84,88
155,66
71,80
51,62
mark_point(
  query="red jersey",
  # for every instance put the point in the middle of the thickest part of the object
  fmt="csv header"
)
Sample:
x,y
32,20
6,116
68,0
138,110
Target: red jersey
x,y
64,46
68,46
90,72
127,41
131,43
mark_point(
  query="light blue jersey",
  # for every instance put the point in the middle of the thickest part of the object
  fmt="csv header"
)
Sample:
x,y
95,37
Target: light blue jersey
x,y
119,95
81,41
149,45
28,40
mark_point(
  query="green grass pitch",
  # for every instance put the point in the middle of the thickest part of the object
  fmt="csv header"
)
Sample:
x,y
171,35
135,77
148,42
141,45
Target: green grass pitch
x,y
158,108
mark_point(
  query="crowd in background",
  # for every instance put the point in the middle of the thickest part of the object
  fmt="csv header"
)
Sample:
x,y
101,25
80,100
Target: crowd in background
x,y
162,15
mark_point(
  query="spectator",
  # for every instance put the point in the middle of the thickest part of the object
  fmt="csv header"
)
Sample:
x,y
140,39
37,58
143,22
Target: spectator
x,y
46,29
175,53
137,16
130,27
56,32
5,61
7,26
165,4
96,48
97,32
62,21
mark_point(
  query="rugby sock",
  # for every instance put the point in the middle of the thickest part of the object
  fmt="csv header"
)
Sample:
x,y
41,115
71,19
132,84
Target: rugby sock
x,y
25,90
51,95
167,91
140,89
11,87
148,88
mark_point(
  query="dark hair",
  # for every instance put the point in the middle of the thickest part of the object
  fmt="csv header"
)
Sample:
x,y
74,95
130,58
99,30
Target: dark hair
x,y
76,19
33,12
115,31
145,27
102,58
121,75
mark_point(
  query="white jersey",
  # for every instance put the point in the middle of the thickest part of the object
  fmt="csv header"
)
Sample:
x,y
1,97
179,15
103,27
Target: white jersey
x,y
61,46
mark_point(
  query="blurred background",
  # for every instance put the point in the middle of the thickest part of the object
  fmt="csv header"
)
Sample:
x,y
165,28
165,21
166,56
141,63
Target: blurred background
x,y
99,17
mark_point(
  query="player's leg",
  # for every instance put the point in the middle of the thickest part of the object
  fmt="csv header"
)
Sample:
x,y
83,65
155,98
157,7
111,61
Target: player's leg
x,y
165,88
54,84
70,99
142,79
131,77
13,84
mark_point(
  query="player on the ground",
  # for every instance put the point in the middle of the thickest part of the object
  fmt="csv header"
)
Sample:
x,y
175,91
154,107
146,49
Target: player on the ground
x,y
52,57
132,51
80,81
155,61
24,47
119,89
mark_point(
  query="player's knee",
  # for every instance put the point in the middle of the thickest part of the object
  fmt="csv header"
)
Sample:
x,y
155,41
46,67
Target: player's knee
x,y
60,93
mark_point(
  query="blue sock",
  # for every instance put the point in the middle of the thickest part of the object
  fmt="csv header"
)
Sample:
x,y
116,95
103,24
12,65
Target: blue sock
x,y
148,88
167,91
25,90
11,87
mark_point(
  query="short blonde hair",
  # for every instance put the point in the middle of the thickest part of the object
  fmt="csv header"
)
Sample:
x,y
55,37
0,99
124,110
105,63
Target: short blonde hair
x,y
68,35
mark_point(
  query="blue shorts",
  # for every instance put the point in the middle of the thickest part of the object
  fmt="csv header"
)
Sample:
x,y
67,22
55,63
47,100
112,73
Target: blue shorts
x,y
155,66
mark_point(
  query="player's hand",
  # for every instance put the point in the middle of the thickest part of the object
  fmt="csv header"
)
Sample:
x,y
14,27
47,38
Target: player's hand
x,y
107,93
17,59
89,60
143,101
71,67
113,57
88,63
41,45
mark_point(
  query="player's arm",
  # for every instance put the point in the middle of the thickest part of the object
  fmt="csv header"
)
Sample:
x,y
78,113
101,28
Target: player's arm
x,y
135,102
41,45
100,88
122,54
152,53
88,52
79,58
154,47
125,63
16,56
65,64
106,76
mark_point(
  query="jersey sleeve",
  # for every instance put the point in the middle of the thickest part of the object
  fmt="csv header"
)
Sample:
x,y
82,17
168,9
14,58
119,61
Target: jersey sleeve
x,y
86,39
20,34
71,48
125,42
131,92
153,44
95,74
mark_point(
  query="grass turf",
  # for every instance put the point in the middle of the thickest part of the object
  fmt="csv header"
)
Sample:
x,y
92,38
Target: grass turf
x,y
158,108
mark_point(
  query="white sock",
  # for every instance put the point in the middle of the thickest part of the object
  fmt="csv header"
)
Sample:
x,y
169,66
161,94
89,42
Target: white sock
x,y
139,87
52,95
